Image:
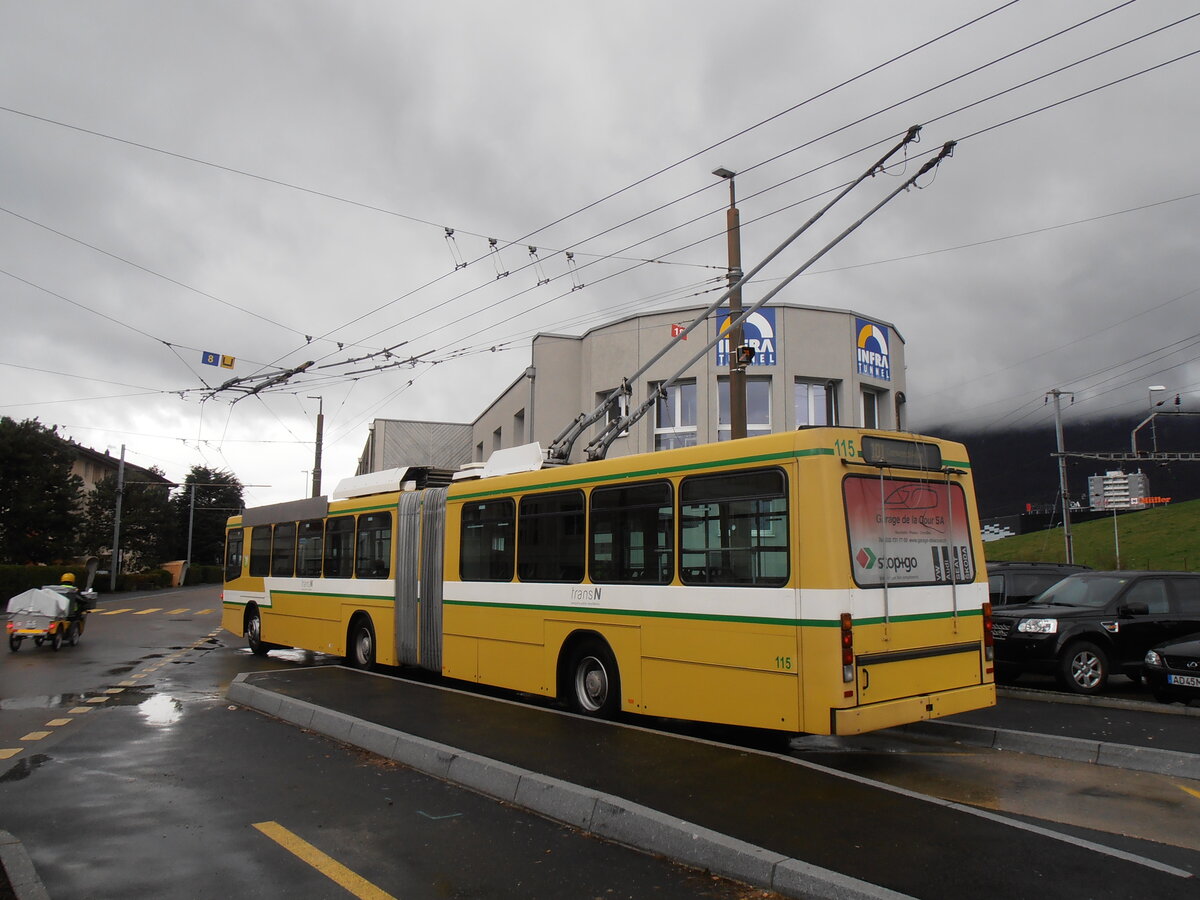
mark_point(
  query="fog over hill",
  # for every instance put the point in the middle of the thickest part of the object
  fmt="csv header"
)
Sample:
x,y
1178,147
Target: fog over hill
x,y
1015,467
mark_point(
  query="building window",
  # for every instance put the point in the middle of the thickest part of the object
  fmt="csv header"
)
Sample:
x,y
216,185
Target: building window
x,y
758,406
479,452
675,416
617,410
816,403
518,436
496,440
870,408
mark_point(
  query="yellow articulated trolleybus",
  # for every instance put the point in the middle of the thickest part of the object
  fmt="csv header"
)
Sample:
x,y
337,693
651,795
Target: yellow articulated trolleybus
x,y
828,580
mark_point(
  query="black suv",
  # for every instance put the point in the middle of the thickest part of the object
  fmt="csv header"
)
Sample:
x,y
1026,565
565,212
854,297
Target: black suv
x,y
1092,624
1020,582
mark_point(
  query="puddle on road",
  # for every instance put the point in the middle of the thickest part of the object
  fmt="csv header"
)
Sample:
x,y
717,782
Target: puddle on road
x,y
161,709
25,767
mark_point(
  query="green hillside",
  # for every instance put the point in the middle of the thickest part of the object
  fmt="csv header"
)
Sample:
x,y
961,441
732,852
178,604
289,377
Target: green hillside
x,y
1163,537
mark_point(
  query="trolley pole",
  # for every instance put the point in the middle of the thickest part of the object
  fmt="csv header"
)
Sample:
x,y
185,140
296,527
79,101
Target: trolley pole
x,y
1062,474
737,369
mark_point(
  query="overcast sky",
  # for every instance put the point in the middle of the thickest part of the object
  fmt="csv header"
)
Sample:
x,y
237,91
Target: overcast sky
x,y
272,181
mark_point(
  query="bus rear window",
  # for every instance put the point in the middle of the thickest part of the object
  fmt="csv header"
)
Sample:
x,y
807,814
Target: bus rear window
x,y
905,531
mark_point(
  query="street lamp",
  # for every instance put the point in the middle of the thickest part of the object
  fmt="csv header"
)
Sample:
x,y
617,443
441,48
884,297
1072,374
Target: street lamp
x,y
737,368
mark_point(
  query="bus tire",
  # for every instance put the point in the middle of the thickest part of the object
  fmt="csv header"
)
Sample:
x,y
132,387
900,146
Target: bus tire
x,y
360,643
593,681
254,632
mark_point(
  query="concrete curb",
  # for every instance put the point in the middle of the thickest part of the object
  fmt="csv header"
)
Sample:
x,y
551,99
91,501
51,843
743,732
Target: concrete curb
x,y
22,876
604,815
1101,753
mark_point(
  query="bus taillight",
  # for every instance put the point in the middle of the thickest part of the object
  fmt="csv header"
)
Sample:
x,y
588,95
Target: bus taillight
x,y
989,646
847,648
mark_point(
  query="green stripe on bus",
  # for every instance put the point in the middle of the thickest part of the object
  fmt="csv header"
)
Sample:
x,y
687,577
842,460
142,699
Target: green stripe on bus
x,y
706,617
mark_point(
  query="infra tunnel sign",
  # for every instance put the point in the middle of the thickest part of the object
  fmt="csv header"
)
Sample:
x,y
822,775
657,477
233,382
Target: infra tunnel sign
x,y
208,358
907,532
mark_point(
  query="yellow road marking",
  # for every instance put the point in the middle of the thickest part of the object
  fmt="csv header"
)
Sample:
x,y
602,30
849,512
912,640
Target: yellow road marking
x,y
146,612
1188,790
115,612
125,684
115,691
176,612
9,752
205,612
54,723
79,710
326,865
36,735
97,700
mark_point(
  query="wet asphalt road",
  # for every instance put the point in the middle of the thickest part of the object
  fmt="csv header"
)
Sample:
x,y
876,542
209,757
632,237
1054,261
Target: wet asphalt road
x,y
157,790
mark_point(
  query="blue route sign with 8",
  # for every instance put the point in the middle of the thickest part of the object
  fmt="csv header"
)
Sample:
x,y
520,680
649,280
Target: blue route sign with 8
x,y
208,358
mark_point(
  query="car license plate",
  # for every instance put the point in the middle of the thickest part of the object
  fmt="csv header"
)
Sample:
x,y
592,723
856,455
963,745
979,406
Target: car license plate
x,y
1184,680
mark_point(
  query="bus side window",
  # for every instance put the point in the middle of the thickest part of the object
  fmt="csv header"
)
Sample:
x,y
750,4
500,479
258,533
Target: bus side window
x,y
373,559
283,550
233,553
551,537
308,549
734,528
632,530
260,551
339,547
486,541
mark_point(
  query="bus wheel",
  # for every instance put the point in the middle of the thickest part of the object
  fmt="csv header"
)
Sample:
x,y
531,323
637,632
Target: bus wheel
x,y
595,684
360,648
254,633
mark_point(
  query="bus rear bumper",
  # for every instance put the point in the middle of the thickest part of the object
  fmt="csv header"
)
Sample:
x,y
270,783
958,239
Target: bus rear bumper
x,y
861,719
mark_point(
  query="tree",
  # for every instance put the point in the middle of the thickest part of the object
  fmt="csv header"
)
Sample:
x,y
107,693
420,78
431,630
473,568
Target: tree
x,y
39,496
217,496
147,522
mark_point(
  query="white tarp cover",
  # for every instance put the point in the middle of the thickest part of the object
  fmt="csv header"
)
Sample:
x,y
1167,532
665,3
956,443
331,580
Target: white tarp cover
x,y
39,602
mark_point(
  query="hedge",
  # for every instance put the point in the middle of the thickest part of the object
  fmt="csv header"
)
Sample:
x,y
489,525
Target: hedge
x,y
15,579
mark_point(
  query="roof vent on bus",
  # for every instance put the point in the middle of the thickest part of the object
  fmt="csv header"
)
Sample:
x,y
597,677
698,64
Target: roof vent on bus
x,y
467,471
525,458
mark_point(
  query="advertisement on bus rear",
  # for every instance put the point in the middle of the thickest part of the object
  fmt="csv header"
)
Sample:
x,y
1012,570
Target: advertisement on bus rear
x,y
907,532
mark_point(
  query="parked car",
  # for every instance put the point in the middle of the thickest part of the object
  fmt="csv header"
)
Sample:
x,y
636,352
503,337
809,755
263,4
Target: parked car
x,y
1093,624
1020,582
1172,670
